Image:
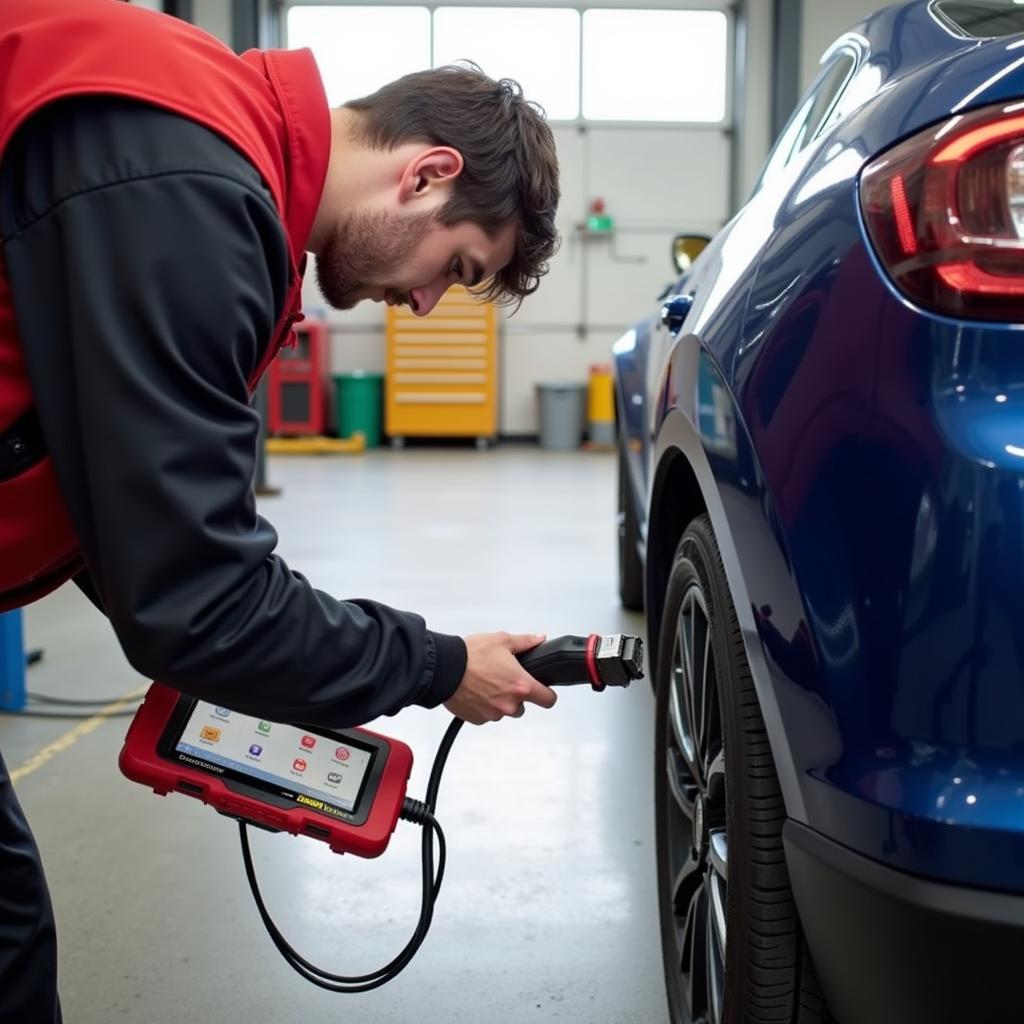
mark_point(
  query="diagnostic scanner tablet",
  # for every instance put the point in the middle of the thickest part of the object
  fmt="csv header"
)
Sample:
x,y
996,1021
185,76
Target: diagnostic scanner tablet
x,y
342,786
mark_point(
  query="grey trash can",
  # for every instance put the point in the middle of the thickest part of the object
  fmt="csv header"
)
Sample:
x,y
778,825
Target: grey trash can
x,y
562,407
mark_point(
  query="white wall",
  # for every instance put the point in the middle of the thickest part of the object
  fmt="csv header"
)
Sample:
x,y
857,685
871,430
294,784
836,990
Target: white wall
x,y
214,16
755,138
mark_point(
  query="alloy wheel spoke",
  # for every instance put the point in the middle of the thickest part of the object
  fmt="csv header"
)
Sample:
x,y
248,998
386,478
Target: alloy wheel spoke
x,y
710,730
678,714
685,885
702,695
715,966
686,659
716,779
717,891
688,712
685,634
686,948
675,767
696,965
675,709
718,853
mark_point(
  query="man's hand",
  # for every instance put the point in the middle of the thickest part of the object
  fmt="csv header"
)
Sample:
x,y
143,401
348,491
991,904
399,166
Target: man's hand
x,y
495,684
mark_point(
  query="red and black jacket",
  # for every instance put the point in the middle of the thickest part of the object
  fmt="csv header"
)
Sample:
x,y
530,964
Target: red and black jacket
x,y
157,195
270,105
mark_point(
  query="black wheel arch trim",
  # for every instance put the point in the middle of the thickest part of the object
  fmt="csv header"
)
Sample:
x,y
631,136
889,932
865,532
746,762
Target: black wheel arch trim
x,y
677,438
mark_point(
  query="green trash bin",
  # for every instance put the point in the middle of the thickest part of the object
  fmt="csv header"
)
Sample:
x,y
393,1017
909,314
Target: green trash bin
x,y
359,398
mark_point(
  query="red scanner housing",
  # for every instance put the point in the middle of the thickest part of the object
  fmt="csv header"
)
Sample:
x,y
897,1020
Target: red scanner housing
x,y
365,832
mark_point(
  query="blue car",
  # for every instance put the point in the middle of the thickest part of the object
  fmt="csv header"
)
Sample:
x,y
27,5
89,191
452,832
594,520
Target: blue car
x,y
821,509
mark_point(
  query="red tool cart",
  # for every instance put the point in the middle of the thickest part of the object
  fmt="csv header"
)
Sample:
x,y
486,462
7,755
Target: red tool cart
x,y
298,383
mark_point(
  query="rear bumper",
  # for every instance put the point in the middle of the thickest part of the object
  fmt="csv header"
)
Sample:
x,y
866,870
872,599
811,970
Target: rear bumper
x,y
891,948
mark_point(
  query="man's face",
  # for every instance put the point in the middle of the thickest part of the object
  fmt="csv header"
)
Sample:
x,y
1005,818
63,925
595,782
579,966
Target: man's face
x,y
397,257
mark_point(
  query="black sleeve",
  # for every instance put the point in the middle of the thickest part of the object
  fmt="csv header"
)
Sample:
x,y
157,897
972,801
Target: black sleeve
x,y
84,582
148,266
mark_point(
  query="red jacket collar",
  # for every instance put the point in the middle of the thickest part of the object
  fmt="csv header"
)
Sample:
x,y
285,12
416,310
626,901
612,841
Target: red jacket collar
x,y
294,76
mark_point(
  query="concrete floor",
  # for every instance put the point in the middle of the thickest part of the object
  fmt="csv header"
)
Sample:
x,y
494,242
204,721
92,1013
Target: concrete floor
x,y
548,909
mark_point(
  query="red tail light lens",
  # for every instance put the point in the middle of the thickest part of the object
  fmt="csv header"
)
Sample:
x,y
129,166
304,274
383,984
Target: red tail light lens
x,y
945,212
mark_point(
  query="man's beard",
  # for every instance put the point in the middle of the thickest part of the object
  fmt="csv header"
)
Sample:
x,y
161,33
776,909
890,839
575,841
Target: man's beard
x,y
366,250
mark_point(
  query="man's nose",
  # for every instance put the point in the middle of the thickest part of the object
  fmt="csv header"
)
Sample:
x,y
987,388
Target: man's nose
x,y
426,298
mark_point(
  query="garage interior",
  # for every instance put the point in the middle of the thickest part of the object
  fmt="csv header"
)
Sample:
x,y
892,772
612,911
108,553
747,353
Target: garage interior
x,y
548,910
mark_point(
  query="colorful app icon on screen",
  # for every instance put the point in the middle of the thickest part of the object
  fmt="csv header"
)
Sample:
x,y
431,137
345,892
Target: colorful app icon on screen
x,y
309,742
299,765
342,753
264,727
210,733
223,712
255,750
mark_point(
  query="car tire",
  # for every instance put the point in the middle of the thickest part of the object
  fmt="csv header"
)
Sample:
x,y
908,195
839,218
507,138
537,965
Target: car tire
x,y
719,816
631,571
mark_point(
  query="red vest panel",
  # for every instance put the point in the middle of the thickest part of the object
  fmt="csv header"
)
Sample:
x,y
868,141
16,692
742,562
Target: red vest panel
x,y
269,104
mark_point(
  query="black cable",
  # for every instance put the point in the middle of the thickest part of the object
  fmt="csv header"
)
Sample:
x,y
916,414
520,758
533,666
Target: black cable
x,y
363,982
440,759
413,810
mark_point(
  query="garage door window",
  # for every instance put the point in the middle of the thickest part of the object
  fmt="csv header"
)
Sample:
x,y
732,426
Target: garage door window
x,y
359,49
622,64
654,65
540,49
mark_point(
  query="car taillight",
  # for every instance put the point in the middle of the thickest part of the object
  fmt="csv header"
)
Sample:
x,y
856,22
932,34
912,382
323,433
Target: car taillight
x,y
945,212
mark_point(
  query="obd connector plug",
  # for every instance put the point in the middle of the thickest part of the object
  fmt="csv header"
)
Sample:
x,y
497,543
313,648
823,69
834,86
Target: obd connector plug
x,y
613,660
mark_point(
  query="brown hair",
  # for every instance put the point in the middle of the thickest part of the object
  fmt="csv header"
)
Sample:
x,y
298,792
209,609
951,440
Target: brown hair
x,y
510,170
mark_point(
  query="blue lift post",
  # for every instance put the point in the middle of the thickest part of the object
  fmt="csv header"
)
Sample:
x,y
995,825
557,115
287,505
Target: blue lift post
x,y
12,661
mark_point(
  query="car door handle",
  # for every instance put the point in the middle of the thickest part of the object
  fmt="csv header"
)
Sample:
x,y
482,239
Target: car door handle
x,y
674,312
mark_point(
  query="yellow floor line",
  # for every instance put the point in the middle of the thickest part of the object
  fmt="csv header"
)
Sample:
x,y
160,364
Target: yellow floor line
x,y
72,736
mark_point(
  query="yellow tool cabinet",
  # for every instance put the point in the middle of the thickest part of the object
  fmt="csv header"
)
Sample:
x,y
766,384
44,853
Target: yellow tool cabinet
x,y
442,370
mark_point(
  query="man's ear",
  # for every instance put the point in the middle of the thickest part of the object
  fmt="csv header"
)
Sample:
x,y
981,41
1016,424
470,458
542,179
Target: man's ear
x,y
431,170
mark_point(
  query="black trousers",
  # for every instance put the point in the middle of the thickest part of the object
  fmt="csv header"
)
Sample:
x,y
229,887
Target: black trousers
x,y
28,940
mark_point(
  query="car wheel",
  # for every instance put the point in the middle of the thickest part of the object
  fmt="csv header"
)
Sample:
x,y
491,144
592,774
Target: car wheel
x,y
719,816
631,573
